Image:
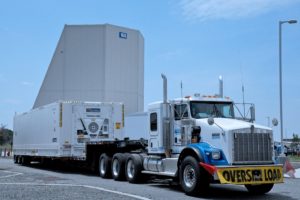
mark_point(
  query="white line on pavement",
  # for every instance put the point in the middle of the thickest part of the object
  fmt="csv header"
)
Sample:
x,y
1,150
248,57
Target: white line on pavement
x,y
11,175
85,186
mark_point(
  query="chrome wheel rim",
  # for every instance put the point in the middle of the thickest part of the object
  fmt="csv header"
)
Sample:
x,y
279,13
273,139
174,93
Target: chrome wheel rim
x,y
116,167
189,176
130,169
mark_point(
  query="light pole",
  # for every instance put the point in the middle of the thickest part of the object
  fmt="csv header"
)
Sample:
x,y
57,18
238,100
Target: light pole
x,y
280,80
268,120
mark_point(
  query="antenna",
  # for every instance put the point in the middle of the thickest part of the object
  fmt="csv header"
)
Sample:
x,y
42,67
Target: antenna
x,y
243,91
181,89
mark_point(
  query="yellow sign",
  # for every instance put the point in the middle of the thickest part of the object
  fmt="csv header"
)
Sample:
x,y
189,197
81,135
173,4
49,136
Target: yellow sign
x,y
118,125
250,175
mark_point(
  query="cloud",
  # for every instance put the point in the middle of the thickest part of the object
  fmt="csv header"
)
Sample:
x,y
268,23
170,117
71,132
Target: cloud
x,y
12,101
26,83
169,55
203,10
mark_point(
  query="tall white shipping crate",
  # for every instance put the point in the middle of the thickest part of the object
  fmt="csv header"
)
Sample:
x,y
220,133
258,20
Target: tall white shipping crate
x,y
61,129
100,63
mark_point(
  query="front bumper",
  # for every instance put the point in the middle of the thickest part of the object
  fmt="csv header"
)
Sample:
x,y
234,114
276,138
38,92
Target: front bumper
x,y
241,175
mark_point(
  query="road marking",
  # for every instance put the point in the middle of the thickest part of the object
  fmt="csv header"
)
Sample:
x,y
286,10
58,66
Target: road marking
x,y
85,186
11,175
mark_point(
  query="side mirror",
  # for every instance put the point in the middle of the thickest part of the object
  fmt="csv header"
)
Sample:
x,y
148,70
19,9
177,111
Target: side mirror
x,y
252,112
274,122
210,121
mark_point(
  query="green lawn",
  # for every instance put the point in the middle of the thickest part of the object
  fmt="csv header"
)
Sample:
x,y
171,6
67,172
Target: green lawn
x,y
7,146
294,158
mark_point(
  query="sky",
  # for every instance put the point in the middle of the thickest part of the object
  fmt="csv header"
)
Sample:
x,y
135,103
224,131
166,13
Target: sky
x,y
193,41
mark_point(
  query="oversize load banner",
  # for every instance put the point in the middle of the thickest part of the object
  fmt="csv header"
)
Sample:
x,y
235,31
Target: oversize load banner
x,y
250,175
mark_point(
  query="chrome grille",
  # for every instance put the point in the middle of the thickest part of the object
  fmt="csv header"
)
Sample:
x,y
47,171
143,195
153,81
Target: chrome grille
x,y
252,148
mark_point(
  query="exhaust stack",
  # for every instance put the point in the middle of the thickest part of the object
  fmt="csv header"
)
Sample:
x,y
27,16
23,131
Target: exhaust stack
x,y
166,115
220,86
165,90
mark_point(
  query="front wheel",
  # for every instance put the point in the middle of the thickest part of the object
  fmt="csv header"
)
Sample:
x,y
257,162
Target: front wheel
x,y
193,178
259,189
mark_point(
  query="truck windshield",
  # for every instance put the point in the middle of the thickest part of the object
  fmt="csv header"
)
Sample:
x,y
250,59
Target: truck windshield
x,y
211,109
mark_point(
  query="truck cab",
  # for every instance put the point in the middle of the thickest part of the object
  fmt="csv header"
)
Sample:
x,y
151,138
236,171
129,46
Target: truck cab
x,y
203,137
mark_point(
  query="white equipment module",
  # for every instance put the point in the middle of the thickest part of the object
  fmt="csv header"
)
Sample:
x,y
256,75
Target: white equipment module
x,y
61,129
99,63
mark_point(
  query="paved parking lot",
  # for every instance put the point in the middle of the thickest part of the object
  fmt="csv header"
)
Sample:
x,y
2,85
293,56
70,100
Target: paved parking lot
x,y
35,182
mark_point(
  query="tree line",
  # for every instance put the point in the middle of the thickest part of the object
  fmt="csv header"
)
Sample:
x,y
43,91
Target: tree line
x,y
6,136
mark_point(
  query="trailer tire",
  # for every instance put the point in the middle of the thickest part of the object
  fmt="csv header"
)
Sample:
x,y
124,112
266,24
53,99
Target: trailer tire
x,y
104,166
133,168
118,167
21,161
259,189
15,160
194,180
26,160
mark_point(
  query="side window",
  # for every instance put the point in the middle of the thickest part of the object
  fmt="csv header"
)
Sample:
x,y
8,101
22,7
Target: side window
x,y
153,121
180,111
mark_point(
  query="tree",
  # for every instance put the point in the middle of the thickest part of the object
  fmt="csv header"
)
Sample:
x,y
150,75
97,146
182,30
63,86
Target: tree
x,y
295,140
6,135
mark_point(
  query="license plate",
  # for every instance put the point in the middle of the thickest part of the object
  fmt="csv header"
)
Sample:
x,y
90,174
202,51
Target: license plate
x,y
250,175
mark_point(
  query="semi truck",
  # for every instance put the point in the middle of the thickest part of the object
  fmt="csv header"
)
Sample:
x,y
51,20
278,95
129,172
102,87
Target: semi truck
x,y
195,141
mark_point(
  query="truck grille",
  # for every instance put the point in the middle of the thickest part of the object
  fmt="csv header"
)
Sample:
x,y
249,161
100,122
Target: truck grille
x,y
252,148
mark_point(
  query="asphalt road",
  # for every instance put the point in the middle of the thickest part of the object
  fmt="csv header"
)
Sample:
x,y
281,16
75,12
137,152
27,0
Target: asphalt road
x,y
36,182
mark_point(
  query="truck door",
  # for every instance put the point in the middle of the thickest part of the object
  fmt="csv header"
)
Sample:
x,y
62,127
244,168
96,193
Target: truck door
x,y
180,112
155,131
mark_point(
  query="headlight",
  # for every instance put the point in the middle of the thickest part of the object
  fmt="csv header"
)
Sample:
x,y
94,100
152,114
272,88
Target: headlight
x,y
216,155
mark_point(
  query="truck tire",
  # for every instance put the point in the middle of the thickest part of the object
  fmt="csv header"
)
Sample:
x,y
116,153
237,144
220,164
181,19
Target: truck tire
x,y
104,166
194,179
118,167
21,161
15,160
27,160
259,189
133,168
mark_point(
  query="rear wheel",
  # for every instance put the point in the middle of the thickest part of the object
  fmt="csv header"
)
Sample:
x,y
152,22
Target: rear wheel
x,y
104,166
118,167
133,168
259,189
193,178
18,159
21,160
15,159
26,160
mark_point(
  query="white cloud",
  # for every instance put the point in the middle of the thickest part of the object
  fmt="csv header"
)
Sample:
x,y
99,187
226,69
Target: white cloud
x,y
228,9
169,55
11,101
26,83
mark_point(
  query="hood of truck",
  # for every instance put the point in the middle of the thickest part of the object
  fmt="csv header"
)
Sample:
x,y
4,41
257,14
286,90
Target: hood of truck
x,y
228,124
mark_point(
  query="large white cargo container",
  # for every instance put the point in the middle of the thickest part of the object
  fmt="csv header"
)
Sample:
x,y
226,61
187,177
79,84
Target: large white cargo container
x,y
137,126
99,63
61,129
